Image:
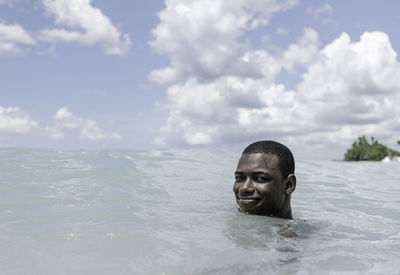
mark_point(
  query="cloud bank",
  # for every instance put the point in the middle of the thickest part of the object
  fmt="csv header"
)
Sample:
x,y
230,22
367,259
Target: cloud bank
x,y
208,45
220,89
86,25
15,121
65,121
77,21
11,36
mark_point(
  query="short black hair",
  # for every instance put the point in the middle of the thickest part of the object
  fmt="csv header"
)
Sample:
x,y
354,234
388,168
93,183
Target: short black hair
x,y
286,159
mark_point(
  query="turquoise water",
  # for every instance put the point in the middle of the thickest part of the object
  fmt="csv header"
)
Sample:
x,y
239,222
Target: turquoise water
x,y
174,212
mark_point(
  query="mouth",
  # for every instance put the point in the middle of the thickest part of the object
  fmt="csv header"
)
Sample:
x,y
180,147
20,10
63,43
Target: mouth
x,y
249,200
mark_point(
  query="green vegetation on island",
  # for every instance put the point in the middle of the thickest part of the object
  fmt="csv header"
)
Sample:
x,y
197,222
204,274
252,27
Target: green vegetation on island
x,y
363,150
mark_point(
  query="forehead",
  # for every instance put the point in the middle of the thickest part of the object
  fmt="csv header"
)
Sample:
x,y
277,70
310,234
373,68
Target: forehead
x,y
259,161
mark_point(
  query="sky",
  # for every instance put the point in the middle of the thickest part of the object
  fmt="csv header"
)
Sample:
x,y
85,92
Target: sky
x,y
314,75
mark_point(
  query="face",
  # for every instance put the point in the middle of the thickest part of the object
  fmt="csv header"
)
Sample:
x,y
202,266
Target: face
x,y
259,186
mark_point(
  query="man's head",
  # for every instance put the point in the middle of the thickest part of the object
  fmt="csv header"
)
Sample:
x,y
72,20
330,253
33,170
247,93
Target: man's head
x,y
265,180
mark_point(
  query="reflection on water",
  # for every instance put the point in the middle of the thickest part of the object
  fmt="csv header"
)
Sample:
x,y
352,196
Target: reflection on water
x,y
250,231
174,212
275,244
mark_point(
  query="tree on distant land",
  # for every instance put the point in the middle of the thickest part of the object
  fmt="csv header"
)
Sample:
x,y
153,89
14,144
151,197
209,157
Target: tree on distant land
x,y
363,150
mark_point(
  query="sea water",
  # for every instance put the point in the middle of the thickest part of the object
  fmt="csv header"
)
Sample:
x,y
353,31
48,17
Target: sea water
x,y
174,212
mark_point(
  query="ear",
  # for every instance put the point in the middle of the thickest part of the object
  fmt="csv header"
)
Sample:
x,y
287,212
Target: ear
x,y
290,184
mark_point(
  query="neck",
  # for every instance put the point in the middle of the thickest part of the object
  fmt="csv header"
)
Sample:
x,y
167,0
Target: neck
x,y
285,214
286,211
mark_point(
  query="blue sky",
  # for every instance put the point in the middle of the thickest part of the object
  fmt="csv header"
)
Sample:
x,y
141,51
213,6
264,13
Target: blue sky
x,y
314,75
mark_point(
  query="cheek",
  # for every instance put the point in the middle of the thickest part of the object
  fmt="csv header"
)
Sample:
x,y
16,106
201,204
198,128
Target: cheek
x,y
264,188
236,187
268,190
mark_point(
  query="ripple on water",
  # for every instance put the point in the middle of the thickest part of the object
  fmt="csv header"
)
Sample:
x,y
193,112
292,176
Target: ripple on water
x,y
173,212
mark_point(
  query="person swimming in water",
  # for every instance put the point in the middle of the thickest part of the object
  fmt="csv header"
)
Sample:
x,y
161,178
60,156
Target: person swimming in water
x,y
265,180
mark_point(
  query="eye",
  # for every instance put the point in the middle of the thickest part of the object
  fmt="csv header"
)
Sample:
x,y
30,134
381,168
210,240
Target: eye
x,y
261,179
239,178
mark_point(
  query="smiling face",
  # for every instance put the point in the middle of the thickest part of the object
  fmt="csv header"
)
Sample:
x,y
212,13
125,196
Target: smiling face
x,y
260,187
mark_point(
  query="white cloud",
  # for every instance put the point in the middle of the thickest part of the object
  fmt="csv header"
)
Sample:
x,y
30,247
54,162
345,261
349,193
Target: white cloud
x,y
354,83
86,24
66,121
304,51
328,21
281,31
224,110
348,88
15,121
321,13
11,36
324,9
207,47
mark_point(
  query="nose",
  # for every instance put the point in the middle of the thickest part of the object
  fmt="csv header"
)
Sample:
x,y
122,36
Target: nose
x,y
247,188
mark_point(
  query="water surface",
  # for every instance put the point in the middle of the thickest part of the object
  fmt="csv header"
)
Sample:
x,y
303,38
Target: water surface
x,y
174,212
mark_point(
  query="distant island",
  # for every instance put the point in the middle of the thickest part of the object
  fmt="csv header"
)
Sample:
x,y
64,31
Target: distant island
x,y
363,150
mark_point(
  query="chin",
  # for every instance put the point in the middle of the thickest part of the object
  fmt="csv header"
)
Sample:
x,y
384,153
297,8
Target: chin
x,y
251,208
255,211
250,211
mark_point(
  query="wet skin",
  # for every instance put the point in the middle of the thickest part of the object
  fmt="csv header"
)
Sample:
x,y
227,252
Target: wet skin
x,y
260,187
